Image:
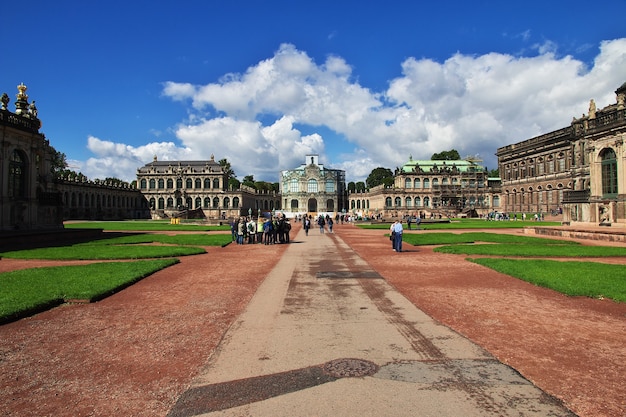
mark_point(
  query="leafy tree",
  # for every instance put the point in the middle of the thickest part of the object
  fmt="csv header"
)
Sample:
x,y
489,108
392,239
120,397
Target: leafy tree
x,y
379,176
360,187
234,183
114,181
495,173
58,164
249,181
351,187
451,155
227,169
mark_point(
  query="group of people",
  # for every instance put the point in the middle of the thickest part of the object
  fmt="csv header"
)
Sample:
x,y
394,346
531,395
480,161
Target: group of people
x,y
266,231
321,221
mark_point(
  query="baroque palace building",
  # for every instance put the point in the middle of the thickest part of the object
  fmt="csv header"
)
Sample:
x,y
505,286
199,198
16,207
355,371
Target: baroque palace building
x,y
199,188
29,198
313,188
579,169
430,188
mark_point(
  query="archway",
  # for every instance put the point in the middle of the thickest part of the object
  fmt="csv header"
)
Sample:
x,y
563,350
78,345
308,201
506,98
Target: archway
x,y
312,205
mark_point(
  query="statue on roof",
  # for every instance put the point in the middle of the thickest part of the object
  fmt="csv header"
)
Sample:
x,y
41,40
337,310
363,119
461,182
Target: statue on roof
x,y
592,109
5,101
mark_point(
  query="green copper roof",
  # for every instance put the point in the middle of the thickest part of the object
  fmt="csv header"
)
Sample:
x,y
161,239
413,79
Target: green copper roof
x,y
427,165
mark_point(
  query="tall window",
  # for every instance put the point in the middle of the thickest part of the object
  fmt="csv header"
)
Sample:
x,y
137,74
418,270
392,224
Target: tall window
x,y
293,185
17,175
330,186
609,173
161,183
311,186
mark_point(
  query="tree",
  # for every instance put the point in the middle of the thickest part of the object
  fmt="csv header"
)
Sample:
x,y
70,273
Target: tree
x,y
360,187
249,181
227,168
379,176
351,187
493,173
451,155
233,184
58,164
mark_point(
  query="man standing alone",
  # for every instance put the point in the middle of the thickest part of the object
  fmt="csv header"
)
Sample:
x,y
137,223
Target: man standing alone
x,y
397,229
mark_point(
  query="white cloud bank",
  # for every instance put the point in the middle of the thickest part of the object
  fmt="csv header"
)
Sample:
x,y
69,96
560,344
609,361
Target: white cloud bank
x,y
474,104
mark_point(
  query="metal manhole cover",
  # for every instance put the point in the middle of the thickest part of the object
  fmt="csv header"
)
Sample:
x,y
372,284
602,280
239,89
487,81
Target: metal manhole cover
x,y
345,368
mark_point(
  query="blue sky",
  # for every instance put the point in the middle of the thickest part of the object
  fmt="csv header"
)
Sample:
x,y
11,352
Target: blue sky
x,y
263,83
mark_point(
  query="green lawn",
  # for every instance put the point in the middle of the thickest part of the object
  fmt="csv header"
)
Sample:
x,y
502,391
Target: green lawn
x,y
588,279
145,225
27,291
127,247
472,237
573,278
30,290
465,224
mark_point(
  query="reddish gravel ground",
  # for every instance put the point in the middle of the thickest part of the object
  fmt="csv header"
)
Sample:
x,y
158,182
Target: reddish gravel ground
x,y
135,352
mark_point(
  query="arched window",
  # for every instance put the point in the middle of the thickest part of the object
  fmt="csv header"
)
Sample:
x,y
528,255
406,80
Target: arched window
x,y
207,202
170,202
311,186
398,202
388,202
17,175
294,204
418,201
152,204
352,204
330,187
207,183
216,202
170,183
236,202
152,184
426,183
143,184
161,203
609,173
198,202
188,183
408,183
161,184
426,202
216,183
358,204
198,183
416,183
226,202
408,201
435,182
179,183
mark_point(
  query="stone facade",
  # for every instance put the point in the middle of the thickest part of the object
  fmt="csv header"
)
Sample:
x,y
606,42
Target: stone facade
x,y
431,188
579,169
312,188
28,199
178,188
99,200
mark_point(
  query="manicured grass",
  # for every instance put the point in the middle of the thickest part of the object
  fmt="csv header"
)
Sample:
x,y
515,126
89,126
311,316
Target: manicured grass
x,y
588,279
102,252
127,247
182,239
30,290
148,225
471,237
465,224
534,250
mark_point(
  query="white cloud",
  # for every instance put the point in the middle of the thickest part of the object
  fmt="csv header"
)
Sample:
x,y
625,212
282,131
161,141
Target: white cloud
x,y
474,104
